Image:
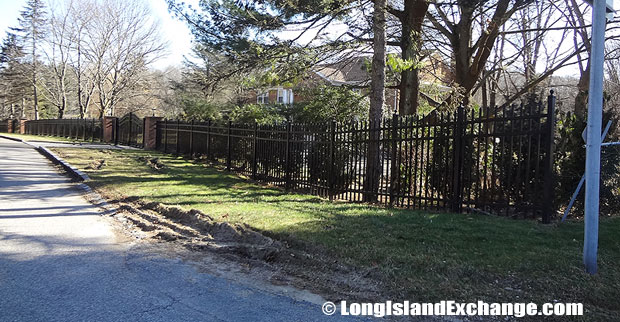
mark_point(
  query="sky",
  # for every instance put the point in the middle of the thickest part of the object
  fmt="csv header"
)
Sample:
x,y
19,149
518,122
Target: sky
x,y
175,32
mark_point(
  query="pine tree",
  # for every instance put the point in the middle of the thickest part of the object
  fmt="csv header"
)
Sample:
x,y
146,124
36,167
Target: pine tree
x,y
256,35
13,86
32,27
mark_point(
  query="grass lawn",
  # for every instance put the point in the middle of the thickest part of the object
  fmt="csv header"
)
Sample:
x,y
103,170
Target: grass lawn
x,y
40,138
427,257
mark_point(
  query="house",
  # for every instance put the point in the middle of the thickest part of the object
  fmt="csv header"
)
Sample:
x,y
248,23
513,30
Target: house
x,y
351,72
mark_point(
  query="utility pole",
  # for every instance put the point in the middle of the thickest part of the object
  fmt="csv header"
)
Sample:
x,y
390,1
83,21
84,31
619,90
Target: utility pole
x,y
593,142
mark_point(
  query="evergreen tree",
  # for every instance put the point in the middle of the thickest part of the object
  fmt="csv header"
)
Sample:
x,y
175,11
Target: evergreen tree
x,y
13,86
32,27
282,39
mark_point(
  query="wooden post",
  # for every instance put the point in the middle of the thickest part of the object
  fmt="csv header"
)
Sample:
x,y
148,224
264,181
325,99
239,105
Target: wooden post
x,y
548,174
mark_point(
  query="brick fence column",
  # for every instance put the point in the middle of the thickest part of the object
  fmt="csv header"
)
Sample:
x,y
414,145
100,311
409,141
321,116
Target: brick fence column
x,y
22,126
9,126
150,132
109,128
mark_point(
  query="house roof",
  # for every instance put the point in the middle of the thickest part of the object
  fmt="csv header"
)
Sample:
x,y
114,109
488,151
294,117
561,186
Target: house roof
x,y
350,71
353,70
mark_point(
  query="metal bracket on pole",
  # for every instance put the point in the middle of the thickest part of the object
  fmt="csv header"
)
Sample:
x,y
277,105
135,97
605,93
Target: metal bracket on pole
x,y
583,178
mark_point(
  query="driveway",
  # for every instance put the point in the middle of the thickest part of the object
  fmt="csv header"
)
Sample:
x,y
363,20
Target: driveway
x,y
61,260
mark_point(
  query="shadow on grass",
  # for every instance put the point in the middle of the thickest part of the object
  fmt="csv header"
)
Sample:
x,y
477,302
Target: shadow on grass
x,y
424,256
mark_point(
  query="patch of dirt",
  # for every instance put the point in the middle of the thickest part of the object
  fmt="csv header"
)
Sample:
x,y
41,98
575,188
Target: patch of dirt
x,y
96,165
153,163
280,263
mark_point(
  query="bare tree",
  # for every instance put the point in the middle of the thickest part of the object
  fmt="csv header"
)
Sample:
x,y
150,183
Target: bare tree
x,y
121,41
456,22
83,69
59,38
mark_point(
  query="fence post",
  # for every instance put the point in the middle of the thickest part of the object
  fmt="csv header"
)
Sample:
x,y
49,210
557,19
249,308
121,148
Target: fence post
x,y
130,131
548,189
254,151
92,131
457,193
165,135
178,147
117,131
287,157
394,166
332,159
144,134
208,139
228,152
191,139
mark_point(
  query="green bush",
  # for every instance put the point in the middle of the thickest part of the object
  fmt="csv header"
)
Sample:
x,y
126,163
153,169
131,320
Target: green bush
x,y
324,103
261,114
570,158
199,108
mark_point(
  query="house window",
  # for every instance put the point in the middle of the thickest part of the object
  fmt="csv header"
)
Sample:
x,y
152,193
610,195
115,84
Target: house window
x,y
262,98
285,96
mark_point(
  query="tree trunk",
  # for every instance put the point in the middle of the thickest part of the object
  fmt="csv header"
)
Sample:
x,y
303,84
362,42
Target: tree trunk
x,y
63,106
581,100
23,112
468,65
411,20
377,99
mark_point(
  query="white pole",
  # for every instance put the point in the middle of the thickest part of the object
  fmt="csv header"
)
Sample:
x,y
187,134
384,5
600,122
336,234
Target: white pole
x,y
593,144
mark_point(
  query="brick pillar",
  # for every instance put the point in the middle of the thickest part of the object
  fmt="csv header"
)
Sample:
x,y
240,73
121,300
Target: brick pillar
x,y
109,128
150,132
9,127
22,126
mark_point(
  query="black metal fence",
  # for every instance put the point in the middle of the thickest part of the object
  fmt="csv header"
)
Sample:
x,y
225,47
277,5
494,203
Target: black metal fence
x,y
79,129
4,126
130,130
496,160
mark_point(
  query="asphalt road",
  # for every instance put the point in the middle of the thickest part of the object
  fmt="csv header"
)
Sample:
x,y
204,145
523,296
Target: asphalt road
x,y
60,260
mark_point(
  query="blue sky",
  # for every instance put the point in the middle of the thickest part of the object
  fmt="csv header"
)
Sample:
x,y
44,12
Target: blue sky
x,y
173,30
